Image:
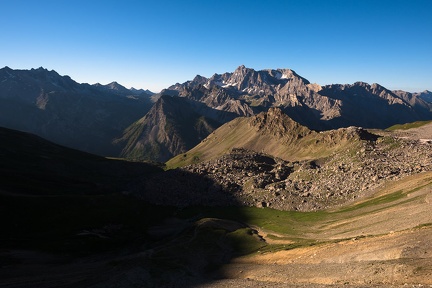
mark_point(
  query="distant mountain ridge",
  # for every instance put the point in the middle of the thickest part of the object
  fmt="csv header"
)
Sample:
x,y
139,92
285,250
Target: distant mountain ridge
x,y
82,116
120,89
247,92
112,120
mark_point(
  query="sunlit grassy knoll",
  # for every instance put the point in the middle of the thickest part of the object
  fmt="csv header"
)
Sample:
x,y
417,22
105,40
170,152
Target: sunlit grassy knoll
x,y
291,147
407,126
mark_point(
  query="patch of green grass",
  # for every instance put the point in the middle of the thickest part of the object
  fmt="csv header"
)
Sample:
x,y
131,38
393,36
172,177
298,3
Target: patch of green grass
x,y
284,222
391,142
424,225
183,160
274,237
245,241
407,126
375,201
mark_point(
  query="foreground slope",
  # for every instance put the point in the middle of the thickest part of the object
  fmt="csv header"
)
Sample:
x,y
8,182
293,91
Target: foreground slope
x,y
382,241
49,193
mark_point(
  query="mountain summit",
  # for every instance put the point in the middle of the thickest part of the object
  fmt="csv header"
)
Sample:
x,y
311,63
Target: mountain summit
x,y
247,92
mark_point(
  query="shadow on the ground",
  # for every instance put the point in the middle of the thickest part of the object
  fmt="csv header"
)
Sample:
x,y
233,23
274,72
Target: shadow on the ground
x,y
71,219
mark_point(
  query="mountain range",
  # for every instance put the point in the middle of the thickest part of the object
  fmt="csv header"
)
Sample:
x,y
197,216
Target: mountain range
x,y
247,92
82,116
111,120
350,206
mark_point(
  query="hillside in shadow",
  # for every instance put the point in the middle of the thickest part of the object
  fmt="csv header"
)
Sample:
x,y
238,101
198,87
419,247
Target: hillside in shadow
x,y
69,219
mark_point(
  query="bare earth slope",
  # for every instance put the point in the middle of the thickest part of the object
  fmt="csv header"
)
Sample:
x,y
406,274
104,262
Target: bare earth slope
x,y
367,244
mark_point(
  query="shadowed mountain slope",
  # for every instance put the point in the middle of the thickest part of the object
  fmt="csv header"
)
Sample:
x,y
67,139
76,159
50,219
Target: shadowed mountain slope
x,y
169,128
81,116
33,165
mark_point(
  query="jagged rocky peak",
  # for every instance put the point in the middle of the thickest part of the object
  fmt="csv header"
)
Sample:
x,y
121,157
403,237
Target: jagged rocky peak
x,y
351,133
277,123
115,86
268,75
249,81
286,74
40,69
264,82
199,80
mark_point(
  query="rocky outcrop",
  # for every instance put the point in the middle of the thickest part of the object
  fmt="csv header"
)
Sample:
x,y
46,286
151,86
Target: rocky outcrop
x,y
248,178
279,125
273,133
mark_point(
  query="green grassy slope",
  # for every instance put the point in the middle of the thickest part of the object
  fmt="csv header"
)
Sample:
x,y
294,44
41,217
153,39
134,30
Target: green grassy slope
x,y
407,126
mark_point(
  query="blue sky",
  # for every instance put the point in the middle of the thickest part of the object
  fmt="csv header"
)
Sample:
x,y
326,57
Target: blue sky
x,y
153,44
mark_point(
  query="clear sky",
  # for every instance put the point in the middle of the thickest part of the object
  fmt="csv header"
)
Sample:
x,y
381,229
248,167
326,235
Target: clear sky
x,y
154,44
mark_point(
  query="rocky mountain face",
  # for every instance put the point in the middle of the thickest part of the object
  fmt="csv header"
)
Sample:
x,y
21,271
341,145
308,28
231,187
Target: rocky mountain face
x,y
82,116
247,92
171,127
373,106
